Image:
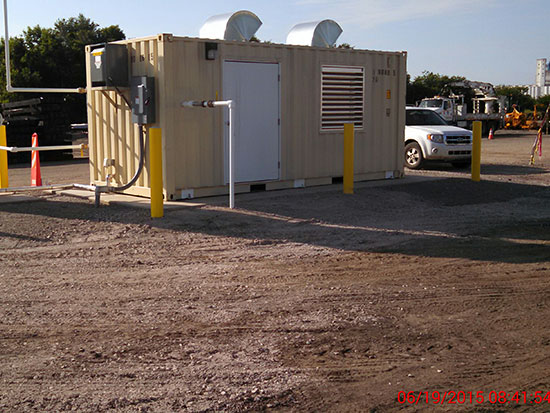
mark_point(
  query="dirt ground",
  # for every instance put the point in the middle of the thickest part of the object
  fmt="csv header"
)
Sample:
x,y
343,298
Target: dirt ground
x,y
298,300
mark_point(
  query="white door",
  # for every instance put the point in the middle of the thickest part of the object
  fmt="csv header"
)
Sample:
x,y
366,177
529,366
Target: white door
x,y
255,89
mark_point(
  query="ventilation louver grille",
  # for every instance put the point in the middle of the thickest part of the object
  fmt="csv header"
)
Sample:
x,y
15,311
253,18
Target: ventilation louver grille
x,y
342,96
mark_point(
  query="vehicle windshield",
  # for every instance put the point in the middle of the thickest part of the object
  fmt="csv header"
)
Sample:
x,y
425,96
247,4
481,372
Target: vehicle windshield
x,y
433,103
423,117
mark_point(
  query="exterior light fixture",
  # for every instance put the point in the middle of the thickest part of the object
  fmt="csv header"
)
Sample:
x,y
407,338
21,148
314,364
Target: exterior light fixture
x,y
211,50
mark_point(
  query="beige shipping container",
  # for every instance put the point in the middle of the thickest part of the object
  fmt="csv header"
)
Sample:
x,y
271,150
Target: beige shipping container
x,y
291,103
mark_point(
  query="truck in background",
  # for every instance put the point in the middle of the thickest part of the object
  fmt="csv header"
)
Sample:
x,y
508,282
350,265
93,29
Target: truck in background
x,y
487,107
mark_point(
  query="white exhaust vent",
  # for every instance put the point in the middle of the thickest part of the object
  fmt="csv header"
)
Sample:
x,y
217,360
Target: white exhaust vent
x,y
318,34
239,26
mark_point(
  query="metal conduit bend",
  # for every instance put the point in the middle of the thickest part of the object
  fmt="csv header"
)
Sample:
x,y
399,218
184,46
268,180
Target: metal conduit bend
x,y
108,188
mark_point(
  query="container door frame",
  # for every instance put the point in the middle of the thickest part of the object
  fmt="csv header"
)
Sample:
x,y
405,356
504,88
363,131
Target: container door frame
x,y
238,108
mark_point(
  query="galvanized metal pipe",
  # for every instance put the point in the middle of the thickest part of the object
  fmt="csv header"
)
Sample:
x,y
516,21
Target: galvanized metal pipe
x,y
9,87
37,188
206,103
86,187
42,148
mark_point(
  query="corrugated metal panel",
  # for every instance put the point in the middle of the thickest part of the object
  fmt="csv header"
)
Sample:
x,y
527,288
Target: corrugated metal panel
x,y
193,137
112,134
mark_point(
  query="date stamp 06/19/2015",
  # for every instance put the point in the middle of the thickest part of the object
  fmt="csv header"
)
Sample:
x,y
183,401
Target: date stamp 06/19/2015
x,y
474,397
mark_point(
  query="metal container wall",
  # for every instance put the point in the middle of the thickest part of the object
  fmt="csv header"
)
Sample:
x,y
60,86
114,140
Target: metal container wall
x,y
112,135
193,138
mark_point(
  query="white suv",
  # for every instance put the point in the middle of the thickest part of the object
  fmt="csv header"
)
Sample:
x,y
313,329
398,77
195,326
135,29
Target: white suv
x,y
429,137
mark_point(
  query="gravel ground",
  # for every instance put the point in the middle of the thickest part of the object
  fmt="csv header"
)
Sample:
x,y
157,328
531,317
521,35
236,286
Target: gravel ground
x,y
298,300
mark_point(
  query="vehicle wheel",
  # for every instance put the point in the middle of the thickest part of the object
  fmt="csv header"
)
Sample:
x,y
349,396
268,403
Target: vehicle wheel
x,y
413,156
462,164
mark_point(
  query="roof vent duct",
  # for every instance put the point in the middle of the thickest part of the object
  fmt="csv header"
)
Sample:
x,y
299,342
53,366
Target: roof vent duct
x,y
239,26
318,34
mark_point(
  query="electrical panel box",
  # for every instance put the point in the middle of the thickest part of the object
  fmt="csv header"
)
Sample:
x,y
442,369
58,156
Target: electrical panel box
x,y
109,65
142,93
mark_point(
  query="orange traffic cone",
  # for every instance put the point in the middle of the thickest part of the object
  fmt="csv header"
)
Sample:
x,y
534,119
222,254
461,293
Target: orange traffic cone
x,y
491,133
36,178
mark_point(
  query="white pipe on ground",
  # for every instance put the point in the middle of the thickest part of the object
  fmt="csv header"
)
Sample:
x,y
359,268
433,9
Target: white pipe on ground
x,y
42,148
38,188
48,187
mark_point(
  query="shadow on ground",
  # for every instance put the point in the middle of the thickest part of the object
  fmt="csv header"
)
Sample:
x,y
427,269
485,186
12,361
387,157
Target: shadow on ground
x,y
487,169
458,191
495,169
438,218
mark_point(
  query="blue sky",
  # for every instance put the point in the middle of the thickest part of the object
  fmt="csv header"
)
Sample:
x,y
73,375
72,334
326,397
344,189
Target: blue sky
x,y
495,41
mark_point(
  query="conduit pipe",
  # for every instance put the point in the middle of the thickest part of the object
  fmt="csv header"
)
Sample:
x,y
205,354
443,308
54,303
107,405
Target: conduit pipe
x,y
12,89
108,188
230,106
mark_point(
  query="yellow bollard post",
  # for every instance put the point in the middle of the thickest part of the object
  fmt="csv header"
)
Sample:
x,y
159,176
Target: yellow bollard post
x,y
155,152
3,158
348,157
476,151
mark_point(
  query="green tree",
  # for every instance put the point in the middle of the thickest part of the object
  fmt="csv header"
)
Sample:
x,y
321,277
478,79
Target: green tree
x,y
74,34
544,101
427,85
516,95
54,57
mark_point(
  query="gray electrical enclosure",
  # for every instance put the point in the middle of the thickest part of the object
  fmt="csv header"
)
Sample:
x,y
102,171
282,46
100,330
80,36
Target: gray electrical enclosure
x,y
142,92
109,65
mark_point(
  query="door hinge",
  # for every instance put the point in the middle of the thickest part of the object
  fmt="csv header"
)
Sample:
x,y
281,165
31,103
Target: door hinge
x,y
279,121
279,164
279,78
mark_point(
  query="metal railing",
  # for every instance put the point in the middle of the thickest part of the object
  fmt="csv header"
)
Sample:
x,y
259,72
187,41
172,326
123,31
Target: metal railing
x,y
4,148
81,146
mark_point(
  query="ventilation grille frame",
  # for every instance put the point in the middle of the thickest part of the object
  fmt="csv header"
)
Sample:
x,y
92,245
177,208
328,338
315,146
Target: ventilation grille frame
x,y
342,97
